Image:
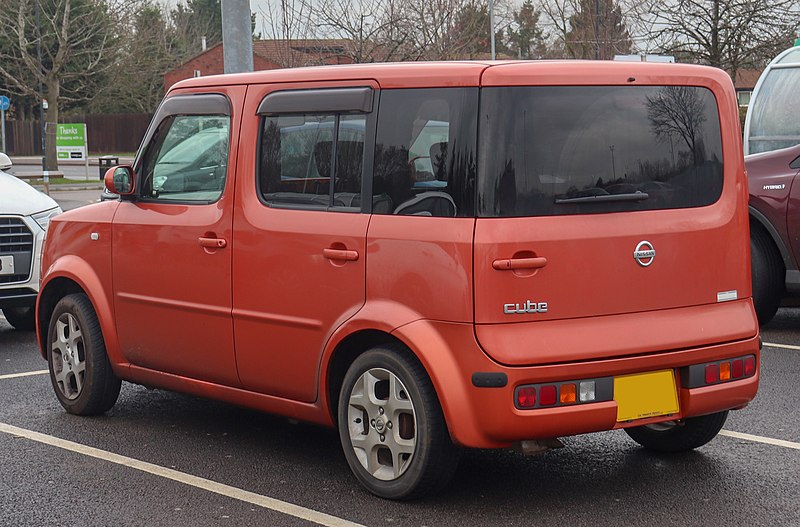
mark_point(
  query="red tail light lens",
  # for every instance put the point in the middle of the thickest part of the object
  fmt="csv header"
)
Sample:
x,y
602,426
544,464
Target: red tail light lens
x,y
749,366
738,368
712,373
526,397
547,395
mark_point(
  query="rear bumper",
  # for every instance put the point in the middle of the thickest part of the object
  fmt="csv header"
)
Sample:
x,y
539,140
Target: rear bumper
x,y
487,417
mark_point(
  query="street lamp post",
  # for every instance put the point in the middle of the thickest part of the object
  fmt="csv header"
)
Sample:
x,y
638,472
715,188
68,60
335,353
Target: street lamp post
x,y
491,27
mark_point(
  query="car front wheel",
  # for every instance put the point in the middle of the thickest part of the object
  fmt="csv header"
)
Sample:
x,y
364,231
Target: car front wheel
x,y
76,354
391,426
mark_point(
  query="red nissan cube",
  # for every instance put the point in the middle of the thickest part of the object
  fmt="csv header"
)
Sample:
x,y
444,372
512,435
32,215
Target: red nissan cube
x,y
426,256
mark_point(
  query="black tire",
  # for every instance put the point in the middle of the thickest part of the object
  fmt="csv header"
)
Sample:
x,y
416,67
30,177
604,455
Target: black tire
x,y
22,318
434,458
76,354
679,436
768,274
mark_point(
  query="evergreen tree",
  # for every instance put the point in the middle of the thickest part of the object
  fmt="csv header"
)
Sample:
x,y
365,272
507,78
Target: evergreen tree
x,y
598,31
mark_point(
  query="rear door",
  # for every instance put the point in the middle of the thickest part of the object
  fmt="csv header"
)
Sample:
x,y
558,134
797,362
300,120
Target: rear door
x,y
601,201
299,259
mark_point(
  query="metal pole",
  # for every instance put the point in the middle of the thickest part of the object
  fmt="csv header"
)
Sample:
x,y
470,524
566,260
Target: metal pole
x,y
4,131
596,29
41,97
491,27
237,36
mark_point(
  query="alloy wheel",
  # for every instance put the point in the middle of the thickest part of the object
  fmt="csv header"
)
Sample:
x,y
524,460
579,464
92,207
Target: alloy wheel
x,y
382,424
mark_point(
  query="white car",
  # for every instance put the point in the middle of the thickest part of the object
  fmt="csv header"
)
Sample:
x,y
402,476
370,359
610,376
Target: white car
x,y
24,216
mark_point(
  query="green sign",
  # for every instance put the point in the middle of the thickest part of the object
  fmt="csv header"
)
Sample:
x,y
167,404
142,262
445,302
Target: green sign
x,y
71,141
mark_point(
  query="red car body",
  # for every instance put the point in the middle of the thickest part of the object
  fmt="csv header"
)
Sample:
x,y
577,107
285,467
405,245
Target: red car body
x,y
267,307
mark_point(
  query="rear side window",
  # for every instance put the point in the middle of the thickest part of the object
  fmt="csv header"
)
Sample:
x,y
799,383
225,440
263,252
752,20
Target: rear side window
x,y
581,150
297,160
425,152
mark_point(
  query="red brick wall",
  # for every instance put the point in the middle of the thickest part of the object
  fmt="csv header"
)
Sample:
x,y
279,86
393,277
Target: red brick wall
x,y
209,63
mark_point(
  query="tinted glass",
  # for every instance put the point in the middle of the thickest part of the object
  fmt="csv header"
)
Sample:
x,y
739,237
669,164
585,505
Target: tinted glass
x,y
296,160
187,159
582,150
775,119
425,152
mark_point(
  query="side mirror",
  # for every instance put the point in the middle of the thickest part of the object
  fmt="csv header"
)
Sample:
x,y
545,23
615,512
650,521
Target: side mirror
x,y
5,162
120,180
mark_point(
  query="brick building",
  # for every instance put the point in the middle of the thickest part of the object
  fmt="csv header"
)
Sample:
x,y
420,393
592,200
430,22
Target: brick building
x,y
267,55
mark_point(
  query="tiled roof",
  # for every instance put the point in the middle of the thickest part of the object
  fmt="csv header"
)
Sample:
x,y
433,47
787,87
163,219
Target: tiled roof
x,y
746,79
303,52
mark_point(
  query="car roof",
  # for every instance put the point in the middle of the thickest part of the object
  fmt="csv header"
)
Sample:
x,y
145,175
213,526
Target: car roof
x,y
467,73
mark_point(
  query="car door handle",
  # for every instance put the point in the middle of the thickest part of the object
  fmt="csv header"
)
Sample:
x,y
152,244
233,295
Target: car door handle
x,y
509,264
213,243
340,254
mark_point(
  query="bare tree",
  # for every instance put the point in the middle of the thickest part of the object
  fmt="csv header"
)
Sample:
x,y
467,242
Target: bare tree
x,y
676,112
77,43
727,34
289,21
373,28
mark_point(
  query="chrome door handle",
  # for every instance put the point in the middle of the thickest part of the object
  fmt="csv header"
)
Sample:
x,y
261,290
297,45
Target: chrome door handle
x,y
213,243
340,254
509,264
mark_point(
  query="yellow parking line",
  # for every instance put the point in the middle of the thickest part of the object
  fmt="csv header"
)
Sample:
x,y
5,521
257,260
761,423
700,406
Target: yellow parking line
x,y
760,439
23,374
266,502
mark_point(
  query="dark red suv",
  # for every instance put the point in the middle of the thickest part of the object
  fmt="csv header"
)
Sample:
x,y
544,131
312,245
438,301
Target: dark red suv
x,y
774,227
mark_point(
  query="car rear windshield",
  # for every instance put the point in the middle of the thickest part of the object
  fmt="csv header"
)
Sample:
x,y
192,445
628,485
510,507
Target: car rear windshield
x,y
548,151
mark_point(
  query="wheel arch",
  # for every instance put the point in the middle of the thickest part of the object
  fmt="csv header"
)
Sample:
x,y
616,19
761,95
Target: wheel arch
x,y
69,275
343,355
758,219
427,345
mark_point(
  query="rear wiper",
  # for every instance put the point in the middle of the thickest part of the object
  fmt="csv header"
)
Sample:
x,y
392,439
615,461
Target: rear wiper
x,y
632,196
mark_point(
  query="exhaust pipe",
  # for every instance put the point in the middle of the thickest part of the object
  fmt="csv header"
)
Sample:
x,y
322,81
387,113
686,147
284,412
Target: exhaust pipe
x,y
533,447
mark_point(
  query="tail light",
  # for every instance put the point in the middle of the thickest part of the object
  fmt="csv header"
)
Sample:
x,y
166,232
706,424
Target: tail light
x,y
717,372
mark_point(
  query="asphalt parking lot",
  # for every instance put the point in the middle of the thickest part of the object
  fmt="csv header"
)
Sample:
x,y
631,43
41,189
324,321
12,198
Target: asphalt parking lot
x,y
160,458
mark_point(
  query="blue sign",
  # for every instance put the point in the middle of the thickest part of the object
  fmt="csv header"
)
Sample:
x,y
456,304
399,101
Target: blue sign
x,y
4,103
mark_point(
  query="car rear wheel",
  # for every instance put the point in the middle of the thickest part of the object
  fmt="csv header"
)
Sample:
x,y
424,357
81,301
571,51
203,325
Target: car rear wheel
x,y
679,436
767,273
22,318
76,354
392,428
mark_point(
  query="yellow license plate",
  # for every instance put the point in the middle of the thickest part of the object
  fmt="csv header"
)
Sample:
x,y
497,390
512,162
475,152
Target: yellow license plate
x,y
643,395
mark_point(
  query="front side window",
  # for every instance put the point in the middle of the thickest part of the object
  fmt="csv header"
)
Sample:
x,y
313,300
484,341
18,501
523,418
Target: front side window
x,y
187,159
297,160
549,151
425,152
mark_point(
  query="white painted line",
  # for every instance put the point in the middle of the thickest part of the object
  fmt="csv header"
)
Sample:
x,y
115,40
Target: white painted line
x,y
23,374
283,507
759,439
784,346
